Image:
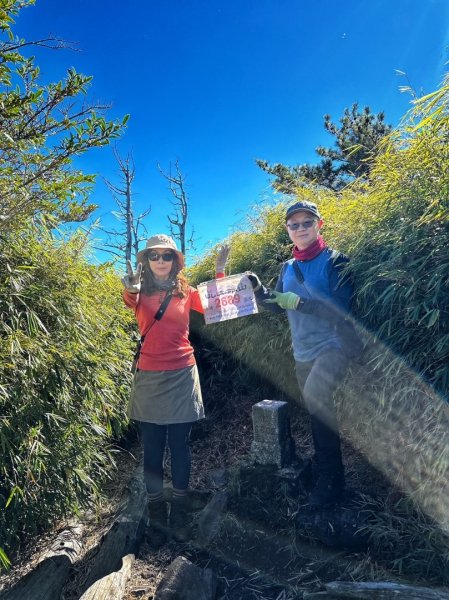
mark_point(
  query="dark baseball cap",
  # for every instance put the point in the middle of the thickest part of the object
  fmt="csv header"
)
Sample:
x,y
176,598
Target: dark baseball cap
x,y
303,205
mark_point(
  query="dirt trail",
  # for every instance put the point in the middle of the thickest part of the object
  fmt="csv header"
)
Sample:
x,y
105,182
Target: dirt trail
x,y
251,558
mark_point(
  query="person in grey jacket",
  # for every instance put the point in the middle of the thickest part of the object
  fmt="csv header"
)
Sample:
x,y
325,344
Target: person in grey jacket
x,y
316,292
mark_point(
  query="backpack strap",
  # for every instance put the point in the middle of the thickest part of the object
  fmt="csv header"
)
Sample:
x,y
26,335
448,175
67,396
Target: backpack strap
x,y
160,313
158,316
298,272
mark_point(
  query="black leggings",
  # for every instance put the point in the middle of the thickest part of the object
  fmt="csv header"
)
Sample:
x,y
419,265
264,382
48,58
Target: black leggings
x,y
154,438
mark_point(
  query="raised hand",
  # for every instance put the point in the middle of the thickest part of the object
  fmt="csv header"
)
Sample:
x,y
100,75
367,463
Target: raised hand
x,y
131,280
222,258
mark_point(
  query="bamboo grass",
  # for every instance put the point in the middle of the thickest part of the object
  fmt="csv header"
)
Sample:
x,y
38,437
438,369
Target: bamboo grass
x,y
393,409
65,348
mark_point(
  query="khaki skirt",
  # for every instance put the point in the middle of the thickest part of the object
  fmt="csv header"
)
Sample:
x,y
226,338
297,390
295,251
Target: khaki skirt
x,y
166,397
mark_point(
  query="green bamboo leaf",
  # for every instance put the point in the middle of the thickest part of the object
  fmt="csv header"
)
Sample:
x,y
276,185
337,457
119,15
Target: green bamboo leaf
x,y
428,119
434,316
4,560
15,490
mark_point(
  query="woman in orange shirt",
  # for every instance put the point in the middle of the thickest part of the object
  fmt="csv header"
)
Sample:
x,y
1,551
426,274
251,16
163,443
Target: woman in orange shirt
x,y
166,396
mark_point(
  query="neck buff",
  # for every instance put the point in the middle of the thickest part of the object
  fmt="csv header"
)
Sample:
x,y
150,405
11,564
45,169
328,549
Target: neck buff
x,y
311,251
164,284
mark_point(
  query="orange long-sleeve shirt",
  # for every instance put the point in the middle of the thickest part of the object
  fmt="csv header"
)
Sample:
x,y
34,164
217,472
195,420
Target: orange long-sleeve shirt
x,y
166,346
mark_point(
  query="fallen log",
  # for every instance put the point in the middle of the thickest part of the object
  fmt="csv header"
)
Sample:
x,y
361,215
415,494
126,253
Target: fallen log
x,y
46,580
125,534
377,590
111,587
185,581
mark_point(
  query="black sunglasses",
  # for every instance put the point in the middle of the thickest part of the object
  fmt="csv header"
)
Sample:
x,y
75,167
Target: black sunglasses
x,y
306,224
166,256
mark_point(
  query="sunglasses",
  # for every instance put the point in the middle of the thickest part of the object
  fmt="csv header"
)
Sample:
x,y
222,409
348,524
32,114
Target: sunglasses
x,y
166,256
305,224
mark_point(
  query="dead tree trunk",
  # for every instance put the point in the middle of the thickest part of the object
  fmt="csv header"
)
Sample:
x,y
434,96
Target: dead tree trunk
x,y
111,587
124,242
124,536
377,590
178,222
46,581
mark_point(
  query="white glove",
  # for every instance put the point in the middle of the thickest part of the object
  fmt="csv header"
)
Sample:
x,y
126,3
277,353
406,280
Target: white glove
x,y
131,280
222,258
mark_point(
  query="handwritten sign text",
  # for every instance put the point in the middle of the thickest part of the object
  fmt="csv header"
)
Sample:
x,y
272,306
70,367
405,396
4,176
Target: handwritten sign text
x,y
227,298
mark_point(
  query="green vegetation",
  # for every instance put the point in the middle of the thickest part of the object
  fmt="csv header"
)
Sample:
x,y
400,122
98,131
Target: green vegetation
x,y
65,335
395,227
65,343
396,230
42,128
357,141
65,346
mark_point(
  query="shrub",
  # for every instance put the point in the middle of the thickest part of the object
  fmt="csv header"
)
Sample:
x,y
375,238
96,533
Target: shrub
x,y
63,357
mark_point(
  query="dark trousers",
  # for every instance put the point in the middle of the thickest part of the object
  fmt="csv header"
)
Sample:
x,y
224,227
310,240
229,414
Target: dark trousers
x,y
318,381
154,438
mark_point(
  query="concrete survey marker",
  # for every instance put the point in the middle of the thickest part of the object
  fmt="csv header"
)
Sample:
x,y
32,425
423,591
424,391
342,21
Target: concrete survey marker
x,y
272,443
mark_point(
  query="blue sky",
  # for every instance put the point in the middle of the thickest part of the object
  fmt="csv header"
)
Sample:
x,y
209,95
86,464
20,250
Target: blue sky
x,y
219,83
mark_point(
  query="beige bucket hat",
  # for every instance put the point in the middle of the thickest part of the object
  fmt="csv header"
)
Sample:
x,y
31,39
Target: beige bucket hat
x,y
160,241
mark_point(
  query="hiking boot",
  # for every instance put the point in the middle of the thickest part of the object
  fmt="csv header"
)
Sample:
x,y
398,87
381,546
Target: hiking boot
x,y
179,520
328,490
157,530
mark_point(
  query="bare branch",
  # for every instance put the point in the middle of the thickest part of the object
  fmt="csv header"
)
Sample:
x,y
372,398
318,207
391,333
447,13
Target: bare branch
x,y
51,43
122,193
178,221
113,252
